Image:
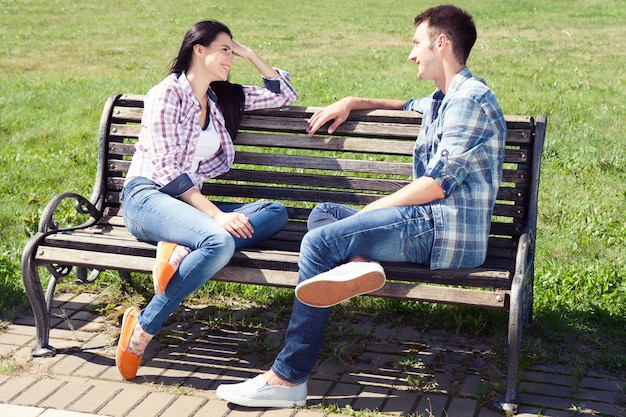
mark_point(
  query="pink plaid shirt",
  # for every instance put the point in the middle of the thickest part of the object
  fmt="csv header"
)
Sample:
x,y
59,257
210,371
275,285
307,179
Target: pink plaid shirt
x,y
170,129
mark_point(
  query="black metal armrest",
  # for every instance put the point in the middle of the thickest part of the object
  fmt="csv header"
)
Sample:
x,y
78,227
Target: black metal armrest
x,y
48,224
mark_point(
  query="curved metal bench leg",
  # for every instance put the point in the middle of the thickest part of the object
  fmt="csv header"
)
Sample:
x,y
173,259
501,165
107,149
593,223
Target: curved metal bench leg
x,y
514,347
86,277
520,310
34,291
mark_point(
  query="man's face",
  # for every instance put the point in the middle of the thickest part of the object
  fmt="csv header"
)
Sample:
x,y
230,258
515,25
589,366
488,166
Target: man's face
x,y
424,53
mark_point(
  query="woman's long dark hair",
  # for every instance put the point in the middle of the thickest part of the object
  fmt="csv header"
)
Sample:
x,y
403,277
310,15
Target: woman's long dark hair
x,y
230,98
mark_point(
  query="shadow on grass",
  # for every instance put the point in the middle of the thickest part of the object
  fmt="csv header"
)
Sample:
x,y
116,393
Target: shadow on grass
x,y
591,339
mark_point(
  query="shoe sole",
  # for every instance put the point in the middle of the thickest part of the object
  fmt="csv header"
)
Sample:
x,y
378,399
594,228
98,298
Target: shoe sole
x,y
258,402
323,293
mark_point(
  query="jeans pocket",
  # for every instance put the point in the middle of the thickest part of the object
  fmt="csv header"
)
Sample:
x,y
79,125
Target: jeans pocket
x,y
418,248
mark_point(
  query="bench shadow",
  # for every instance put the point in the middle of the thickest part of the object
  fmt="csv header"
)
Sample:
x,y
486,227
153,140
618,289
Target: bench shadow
x,y
367,362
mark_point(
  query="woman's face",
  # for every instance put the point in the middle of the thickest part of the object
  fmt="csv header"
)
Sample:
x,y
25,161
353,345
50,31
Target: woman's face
x,y
218,57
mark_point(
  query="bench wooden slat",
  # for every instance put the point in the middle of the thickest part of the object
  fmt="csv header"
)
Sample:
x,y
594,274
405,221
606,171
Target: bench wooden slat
x,y
516,196
284,278
303,162
312,180
500,247
321,163
328,143
370,146
102,256
244,191
353,128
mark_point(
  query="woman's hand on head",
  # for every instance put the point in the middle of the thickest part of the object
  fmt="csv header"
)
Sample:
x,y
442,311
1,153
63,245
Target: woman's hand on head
x,y
236,224
264,68
241,50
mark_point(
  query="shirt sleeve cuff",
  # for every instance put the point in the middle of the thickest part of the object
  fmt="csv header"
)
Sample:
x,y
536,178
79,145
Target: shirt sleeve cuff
x,y
409,105
178,186
273,84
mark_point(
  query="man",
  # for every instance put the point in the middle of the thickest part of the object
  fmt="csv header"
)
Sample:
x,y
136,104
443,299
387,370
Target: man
x,y
440,219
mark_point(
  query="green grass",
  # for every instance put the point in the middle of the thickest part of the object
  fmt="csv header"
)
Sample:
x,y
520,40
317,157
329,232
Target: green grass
x,y
59,61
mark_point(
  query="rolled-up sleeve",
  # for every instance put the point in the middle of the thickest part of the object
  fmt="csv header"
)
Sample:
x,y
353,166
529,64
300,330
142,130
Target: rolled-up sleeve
x,y
277,92
463,134
418,105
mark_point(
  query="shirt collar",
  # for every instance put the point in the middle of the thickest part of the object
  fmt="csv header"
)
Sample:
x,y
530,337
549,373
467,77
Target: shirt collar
x,y
212,95
461,77
184,82
458,79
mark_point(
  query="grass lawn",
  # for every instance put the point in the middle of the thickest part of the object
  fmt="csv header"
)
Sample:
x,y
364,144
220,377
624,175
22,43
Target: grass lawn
x,y
60,60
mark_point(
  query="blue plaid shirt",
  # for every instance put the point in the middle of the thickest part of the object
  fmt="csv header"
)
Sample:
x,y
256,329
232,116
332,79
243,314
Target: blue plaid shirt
x,y
461,146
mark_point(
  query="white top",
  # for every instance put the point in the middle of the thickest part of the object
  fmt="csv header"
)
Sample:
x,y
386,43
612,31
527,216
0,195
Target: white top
x,y
208,145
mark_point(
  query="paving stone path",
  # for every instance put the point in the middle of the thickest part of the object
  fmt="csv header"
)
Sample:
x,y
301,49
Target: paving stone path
x,y
366,366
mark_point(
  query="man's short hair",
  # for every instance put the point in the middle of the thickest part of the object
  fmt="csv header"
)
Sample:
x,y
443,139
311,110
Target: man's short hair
x,y
455,23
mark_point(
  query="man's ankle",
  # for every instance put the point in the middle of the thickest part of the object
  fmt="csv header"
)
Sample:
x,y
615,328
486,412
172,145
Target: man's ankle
x,y
272,380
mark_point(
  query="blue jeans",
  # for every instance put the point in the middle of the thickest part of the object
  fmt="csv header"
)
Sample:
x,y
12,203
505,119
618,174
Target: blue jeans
x,y
153,216
336,235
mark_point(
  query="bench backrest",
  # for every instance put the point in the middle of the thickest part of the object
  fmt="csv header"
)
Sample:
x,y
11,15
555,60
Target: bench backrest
x,y
369,155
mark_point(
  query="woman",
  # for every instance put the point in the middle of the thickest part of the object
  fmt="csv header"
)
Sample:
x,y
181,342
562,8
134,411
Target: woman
x,y
189,123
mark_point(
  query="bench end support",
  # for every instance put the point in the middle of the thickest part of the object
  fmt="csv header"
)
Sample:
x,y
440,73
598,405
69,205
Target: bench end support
x,y
503,405
38,302
43,351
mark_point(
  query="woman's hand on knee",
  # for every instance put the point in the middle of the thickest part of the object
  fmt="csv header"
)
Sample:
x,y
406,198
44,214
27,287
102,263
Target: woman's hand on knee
x,y
236,224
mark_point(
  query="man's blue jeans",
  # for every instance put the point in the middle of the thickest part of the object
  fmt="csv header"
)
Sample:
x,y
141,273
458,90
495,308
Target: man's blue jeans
x,y
336,235
152,216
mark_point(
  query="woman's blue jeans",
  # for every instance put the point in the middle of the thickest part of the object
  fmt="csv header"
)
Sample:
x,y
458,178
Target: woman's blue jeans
x,y
336,235
153,216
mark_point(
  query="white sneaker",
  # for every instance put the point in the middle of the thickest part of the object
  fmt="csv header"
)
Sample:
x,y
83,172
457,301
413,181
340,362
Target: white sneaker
x,y
256,393
340,283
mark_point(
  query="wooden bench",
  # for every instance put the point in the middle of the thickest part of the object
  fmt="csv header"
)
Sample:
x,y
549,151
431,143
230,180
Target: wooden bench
x,y
369,155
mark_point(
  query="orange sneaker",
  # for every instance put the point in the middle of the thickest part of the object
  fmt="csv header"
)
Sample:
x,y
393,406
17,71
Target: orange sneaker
x,y
127,362
168,258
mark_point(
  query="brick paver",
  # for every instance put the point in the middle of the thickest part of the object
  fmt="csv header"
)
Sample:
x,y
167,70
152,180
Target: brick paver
x,y
401,372
36,393
318,388
124,401
95,398
343,394
12,388
605,384
152,404
611,409
184,406
215,408
461,407
65,395
401,402
309,413
432,404
371,398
